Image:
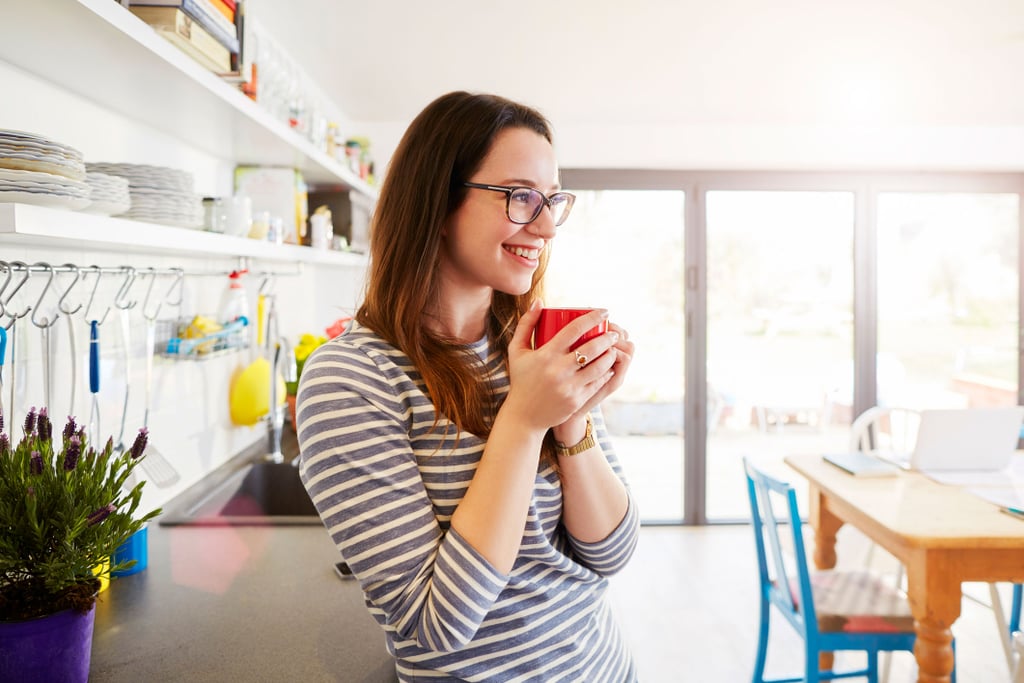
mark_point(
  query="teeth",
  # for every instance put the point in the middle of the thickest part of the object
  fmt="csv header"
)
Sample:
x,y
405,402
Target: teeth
x,y
525,253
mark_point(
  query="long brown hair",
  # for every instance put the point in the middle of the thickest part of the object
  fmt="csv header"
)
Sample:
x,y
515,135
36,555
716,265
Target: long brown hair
x,y
444,146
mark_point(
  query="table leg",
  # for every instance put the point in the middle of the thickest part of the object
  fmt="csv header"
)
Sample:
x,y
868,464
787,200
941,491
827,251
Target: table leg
x,y
826,526
935,602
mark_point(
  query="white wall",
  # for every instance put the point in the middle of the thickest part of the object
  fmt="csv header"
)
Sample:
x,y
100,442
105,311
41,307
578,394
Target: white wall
x,y
190,420
724,147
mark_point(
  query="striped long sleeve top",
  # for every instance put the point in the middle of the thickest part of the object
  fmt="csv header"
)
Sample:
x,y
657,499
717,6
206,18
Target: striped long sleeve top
x,y
386,482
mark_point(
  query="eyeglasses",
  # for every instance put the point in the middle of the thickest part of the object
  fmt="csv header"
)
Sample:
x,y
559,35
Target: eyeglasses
x,y
524,204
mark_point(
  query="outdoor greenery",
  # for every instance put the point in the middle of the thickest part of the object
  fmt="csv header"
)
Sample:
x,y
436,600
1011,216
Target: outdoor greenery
x,y
64,510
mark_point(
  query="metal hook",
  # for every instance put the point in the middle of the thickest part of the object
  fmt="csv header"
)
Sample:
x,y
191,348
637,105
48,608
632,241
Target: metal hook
x,y
119,298
92,295
149,291
7,281
45,323
21,283
267,286
60,302
179,283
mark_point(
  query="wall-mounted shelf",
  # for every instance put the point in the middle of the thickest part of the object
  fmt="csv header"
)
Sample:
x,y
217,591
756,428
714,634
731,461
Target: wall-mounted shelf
x,y
102,52
23,224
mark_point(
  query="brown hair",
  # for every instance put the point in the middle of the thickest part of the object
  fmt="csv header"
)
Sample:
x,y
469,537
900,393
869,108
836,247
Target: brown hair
x,y
444,146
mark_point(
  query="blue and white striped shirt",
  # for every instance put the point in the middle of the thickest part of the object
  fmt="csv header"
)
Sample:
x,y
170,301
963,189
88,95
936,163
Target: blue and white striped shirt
x,y
386,483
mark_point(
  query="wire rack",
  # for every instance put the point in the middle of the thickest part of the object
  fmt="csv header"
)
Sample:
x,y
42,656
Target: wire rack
x,y
173,340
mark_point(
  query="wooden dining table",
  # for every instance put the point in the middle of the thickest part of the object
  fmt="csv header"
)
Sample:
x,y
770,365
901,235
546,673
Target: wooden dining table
x,y
943,535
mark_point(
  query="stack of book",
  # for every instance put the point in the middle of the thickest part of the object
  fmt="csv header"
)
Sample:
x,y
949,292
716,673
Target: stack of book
x,y
207,30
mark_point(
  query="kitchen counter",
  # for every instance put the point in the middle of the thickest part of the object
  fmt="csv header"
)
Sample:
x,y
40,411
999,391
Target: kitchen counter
x,y
237,604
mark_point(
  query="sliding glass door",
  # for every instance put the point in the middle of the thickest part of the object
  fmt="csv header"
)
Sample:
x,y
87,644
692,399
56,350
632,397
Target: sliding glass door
x,y
779,332
623,250
770,309
947,299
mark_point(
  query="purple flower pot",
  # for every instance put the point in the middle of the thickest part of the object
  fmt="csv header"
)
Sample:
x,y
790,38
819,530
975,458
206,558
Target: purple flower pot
x,y
56,647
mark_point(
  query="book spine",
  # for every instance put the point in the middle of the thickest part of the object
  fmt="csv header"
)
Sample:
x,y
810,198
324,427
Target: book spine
x,y
206,16
179,28
225,11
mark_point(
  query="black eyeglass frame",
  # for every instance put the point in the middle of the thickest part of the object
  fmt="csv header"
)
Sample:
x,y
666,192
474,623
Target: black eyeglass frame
x,y
547,200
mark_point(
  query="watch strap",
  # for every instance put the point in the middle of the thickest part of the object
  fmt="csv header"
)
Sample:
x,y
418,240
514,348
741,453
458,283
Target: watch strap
x,y
586,443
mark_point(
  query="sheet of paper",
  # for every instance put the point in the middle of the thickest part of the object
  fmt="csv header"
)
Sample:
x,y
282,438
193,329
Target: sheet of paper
x,y
1012,476
1006,497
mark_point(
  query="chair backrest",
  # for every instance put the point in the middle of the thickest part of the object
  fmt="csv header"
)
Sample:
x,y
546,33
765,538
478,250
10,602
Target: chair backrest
x,y
885,428
787,585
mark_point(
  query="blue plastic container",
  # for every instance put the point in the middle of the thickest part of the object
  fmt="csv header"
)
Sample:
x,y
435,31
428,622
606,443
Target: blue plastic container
x,y
135,548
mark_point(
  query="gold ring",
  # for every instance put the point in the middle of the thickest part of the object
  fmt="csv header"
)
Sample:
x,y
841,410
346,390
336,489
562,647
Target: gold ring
x,y
581,359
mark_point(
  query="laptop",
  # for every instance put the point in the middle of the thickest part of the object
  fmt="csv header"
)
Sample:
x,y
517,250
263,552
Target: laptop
x,y
967,439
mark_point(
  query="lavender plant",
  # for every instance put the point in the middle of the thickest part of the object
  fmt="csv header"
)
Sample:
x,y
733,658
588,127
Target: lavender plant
x,y
64,510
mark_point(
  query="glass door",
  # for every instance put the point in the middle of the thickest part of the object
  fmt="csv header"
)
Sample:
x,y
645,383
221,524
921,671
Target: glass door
x,y
779,332
623,250
947,299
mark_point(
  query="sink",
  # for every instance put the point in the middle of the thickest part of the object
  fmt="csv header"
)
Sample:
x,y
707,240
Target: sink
x,y
257,494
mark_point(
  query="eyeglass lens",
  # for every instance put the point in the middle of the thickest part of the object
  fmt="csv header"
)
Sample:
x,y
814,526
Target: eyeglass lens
x,y
525,204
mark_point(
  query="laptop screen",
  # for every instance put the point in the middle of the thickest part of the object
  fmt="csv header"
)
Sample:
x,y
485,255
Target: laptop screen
x,y
967,439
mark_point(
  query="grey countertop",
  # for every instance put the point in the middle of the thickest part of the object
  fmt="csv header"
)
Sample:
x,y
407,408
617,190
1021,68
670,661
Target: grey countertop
x,y
237,604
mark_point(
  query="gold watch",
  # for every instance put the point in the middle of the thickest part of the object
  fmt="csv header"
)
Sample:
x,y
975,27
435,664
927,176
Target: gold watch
x,y
586,443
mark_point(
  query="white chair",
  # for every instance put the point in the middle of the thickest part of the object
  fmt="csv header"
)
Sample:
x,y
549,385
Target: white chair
x,y
1018,648
885,430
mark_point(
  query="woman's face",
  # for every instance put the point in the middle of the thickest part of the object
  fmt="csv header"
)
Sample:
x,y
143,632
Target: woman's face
x,y
482,249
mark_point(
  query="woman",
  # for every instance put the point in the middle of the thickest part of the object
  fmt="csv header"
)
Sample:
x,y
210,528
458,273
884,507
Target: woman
x,y
453,465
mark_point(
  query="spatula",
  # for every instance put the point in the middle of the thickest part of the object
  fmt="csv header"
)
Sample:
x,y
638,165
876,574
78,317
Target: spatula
x,y
161,471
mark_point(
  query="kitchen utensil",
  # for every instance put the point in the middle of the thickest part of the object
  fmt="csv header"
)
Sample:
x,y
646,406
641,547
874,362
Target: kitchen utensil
x,y
126,340
74,363
12,330
162,473
261,312
3,354
47,332
94,381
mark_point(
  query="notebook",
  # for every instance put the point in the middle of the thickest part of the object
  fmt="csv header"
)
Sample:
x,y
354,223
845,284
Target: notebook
x,y
861,464
968,439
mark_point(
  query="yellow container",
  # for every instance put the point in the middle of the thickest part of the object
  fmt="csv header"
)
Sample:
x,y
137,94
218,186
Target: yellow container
x,y
102,573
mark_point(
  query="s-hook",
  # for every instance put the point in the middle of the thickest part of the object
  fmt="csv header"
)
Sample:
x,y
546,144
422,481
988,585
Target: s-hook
x,y
7,281
92,296
6,301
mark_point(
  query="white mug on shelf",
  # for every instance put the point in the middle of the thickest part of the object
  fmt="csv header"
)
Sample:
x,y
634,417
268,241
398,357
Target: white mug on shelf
x,y
232,215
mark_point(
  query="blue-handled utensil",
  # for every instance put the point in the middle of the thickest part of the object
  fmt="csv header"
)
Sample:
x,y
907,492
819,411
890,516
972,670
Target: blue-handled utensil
x,y
3,355
94,381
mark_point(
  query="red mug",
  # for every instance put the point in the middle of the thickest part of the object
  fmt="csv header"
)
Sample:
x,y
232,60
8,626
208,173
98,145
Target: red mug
x,y
553,319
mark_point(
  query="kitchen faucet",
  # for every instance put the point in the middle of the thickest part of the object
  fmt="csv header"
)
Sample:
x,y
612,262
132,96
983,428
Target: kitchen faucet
x,y
283,359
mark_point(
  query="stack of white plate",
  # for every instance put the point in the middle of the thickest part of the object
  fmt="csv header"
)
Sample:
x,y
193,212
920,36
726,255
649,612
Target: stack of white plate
x,y
109,194
37,170
158,194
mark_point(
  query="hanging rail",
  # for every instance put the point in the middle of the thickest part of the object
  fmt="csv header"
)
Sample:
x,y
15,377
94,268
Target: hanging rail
x,y
11,285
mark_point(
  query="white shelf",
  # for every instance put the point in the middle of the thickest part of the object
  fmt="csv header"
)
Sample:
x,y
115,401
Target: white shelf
x,y
23,224
102,52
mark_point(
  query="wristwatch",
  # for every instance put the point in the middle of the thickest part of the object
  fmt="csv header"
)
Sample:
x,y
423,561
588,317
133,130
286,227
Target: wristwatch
x,y
586,443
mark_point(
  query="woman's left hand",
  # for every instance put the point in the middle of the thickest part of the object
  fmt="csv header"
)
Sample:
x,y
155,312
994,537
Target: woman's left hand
x,y
608,382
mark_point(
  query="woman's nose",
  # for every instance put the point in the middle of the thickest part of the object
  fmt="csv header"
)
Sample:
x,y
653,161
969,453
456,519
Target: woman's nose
x,y
543,225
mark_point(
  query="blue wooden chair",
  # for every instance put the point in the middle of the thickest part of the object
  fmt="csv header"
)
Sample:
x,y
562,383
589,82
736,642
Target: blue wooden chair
x,y
832,610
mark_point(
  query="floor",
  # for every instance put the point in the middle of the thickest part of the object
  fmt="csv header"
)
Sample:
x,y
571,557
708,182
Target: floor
x,y
687,604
